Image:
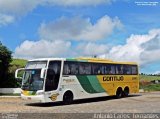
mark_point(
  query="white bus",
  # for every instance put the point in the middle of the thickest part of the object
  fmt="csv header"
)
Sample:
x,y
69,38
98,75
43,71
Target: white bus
x,y
64,79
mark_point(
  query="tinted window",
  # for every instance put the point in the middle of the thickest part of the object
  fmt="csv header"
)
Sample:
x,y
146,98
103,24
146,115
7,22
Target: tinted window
x,y
81,68
70,68
111,69
104,69
84,68
66,69
97,69
127,69
119,68
134,70
53,75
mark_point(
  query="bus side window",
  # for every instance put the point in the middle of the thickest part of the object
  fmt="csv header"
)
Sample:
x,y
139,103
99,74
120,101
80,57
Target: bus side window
x,y
66,69
106,69
119,69
88,68
94,69
81,69
134,70
111,69
84,68
127,69
100,70
74,68
97,69
103,69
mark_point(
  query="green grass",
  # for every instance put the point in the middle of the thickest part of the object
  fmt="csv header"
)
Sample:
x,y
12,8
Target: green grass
x,y
152,87
19,62
149,78
16,64
147,85
9,94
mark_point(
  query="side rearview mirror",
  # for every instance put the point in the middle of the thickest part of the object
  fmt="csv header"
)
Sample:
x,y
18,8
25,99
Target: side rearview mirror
x,y
43,70
16,73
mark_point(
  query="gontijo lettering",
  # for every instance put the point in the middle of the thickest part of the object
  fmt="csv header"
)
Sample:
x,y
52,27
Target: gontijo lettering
x,y
113,78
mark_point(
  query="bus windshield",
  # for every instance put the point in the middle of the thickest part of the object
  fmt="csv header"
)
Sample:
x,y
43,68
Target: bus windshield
x,y
32,81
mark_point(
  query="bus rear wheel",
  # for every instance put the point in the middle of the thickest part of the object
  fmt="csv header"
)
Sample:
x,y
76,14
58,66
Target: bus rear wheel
x,y
119,93
68,97
126,91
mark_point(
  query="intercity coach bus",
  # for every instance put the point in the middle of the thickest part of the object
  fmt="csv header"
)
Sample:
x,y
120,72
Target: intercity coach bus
x,y
68,79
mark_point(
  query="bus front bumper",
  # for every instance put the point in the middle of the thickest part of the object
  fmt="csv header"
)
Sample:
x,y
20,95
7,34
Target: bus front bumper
x,y
35,98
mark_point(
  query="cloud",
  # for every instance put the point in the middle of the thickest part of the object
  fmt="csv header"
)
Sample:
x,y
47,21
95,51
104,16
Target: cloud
x,y
6,19
18,8
151,50
91,49
157,72
56,38
21,7
10,10
143,49
78,28
139,48
77,2
42,48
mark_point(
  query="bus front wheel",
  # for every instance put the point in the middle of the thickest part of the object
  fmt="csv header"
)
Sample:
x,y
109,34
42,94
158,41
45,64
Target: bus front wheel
x,y
68,97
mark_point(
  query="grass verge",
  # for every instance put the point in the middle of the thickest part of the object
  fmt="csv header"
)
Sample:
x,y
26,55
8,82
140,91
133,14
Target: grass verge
x,y
146,83
9,94
151,87
149,78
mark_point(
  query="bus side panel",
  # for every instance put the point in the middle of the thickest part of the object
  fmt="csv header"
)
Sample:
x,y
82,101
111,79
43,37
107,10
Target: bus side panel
x,y
82,87
110,85
94,85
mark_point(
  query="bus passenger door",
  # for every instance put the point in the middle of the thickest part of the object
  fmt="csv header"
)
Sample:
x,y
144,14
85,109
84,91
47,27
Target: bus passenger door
x,y
53,75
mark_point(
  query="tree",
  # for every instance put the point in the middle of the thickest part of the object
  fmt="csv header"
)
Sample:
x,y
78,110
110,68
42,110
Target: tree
x,y
5,59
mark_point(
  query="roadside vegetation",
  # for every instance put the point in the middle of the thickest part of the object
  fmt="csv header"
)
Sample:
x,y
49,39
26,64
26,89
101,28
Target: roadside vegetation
x,y
5,60
8,65
149,77
10,81
15,64
150,82
9,94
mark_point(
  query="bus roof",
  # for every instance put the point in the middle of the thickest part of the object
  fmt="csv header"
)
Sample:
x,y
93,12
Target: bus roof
x,y
100,60
44,59
84,59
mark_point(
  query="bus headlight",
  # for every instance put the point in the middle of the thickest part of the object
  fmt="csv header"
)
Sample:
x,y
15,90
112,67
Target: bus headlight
x,y
40,93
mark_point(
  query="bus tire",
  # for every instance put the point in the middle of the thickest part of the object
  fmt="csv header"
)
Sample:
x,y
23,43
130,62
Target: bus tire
x,y
119,93
68,97
126,91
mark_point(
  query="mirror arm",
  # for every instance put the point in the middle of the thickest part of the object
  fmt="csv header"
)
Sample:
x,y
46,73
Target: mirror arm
x,y
16,73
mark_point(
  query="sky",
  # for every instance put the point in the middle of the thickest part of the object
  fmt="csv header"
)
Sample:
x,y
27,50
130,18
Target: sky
x,y
120,30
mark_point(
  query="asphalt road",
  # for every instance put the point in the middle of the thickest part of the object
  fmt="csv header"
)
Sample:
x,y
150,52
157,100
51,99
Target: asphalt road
x,y
137,103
